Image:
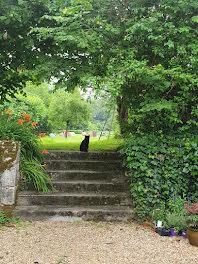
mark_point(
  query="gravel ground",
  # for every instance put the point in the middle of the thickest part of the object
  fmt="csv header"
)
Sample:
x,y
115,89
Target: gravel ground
x,y
90,243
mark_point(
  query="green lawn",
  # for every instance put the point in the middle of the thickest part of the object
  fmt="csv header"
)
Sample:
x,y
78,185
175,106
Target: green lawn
x,y
73,143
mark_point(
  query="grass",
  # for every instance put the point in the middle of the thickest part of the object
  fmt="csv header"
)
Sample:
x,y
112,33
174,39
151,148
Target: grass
x,y
62,259
73,143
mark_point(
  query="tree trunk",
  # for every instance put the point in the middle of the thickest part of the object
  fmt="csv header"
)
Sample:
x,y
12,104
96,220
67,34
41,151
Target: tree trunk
x,y
67,124
122,115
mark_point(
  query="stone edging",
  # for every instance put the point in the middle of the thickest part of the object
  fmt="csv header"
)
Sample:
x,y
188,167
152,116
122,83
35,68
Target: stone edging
x,y
9,172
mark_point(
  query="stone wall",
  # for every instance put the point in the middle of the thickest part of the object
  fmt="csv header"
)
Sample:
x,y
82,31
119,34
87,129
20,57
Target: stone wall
x,y
9,172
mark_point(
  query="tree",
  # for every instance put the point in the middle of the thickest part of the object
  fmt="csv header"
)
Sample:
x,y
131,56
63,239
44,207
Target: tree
x,y
103,113
42,91
143,54
67,110
22,53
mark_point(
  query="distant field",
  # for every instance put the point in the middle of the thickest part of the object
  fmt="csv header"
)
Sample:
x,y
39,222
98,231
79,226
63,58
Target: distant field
x,y
73,143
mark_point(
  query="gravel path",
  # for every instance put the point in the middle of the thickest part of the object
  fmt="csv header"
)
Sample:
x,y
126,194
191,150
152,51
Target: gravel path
x,y
91,243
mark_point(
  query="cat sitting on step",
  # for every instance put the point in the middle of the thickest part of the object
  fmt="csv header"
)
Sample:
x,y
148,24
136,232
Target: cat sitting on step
x,y
85,144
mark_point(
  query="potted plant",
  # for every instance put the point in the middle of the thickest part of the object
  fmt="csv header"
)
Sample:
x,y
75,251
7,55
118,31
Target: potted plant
x,y
192,223
176,222
159,220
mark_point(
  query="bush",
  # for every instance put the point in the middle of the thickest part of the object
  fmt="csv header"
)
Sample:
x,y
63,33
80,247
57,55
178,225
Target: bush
x,y
22,129
172,213
159,166
176,221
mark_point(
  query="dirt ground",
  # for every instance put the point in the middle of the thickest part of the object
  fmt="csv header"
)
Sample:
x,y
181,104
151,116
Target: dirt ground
x,y
91,243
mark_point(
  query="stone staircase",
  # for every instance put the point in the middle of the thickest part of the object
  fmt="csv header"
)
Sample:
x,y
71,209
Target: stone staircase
x,y
88,186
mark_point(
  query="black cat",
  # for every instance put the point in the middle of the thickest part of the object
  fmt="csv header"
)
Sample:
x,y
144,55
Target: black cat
x,y
85,144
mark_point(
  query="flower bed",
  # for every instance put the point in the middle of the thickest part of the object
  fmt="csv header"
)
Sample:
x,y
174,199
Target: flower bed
x,y
19,127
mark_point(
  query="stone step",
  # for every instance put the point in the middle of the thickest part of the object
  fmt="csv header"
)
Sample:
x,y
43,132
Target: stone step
x,y
73,199
86,186
89,186
58,213
77,155
63,175
83,165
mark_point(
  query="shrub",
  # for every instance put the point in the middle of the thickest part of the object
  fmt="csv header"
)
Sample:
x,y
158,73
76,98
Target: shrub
x,y
159,166
171,213
192,212
176,221
21,128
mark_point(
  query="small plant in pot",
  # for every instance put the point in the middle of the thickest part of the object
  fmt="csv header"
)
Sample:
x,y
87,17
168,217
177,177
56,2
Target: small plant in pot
x,y
176,222
192,223
159,219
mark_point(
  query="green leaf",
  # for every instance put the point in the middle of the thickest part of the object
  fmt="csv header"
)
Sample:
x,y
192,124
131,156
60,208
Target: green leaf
x,y
195,19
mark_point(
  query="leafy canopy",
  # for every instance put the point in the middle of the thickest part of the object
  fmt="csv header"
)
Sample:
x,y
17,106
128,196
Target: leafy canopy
x,y
20,52
143,54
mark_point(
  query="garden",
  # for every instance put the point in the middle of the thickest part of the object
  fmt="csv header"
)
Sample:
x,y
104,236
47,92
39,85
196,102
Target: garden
x,y
126,70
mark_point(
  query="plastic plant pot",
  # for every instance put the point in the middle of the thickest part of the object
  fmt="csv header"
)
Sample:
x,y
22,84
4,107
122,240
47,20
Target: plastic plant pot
x,y
162,231
184,234
173,233
159,223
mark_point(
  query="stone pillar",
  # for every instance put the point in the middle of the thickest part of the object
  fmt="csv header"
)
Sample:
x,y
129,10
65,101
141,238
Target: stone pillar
x,y
9,172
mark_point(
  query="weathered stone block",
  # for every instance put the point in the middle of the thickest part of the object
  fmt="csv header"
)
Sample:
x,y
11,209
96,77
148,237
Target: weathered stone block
x,y
9,177
9,171
8,196
9,155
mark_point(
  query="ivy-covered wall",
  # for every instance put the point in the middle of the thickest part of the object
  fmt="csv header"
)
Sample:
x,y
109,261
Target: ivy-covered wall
x,y
161,166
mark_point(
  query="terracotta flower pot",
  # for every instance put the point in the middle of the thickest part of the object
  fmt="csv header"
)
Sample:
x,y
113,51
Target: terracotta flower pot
x,y
192,235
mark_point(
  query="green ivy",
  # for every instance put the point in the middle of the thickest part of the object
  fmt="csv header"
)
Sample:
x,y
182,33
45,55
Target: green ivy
x,y
159,166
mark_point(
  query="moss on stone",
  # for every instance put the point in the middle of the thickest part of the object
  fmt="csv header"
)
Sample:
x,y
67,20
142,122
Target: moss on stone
x,y
8,154
7,209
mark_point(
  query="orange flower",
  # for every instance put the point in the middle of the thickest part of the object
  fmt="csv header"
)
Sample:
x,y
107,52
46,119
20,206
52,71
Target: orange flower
x,y
27,117
20,121
159,155
34,124
9,112
42,134
44,165
44,151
